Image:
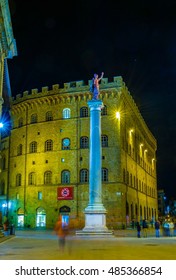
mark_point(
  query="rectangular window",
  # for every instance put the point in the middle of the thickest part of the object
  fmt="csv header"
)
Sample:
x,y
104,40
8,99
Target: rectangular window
x,y
39,195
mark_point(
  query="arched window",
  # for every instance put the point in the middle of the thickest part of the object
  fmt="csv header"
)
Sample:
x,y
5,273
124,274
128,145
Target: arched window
x,y
18,180
49,116
66,113
104,174
48,145
104,141
33,118
32,178
84,142
47,177
84,176
84,112
20,122
104,110
19,150
65,177
41,217
33,147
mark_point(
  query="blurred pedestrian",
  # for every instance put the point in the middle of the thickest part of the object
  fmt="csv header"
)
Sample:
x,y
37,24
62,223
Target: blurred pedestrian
x,y
6,227
171,225
175,229
145,227
157,228
138,230
61,229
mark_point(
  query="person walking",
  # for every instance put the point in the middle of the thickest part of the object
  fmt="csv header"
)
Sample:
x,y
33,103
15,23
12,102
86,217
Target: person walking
x,y
157,228
138,230
144,226
61,229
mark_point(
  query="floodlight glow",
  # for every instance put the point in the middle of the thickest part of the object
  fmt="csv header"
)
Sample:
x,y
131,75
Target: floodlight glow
x,y
1,125
118,115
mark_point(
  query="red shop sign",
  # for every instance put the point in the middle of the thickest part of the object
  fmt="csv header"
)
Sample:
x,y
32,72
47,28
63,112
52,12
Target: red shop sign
x,y
64,193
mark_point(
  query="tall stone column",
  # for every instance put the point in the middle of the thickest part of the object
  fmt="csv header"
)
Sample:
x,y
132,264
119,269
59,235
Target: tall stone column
x,y
95,158
95,213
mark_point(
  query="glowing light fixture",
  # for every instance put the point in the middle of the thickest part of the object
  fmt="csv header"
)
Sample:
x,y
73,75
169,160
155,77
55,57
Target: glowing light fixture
x,y
146,151
118,115
141,145
131,131
1,125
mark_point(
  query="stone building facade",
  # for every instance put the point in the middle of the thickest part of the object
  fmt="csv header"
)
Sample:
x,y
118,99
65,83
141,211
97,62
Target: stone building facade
x,y
46,157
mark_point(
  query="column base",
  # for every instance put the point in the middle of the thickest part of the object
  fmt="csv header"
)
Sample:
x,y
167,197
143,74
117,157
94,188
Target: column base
x,y
95,225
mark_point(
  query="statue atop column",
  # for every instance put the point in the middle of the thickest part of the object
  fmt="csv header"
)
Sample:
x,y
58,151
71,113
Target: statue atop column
x,y
95,85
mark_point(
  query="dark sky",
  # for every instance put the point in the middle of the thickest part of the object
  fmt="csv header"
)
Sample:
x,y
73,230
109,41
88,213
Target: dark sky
x,y
63,41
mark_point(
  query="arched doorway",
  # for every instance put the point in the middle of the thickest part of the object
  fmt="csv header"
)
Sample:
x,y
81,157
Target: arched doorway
x,y
20,217
40,217
65,212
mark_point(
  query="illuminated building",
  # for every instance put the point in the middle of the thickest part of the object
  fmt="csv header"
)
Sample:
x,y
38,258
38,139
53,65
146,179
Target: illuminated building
x,y
47,159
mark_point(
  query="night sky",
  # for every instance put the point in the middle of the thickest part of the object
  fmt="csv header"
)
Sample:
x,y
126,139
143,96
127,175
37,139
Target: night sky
x,y
63,41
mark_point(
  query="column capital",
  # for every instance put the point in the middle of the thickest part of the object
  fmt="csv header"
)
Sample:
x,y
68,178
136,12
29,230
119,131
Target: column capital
x,y
95,104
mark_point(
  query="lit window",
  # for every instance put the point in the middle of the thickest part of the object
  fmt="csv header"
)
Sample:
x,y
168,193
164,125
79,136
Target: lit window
x,y
47,177
104,141
39,195
33,147
48,145
84,176
104,174
65,177
18,180
33,118
49,116
32,178
84,112
84,142
66,113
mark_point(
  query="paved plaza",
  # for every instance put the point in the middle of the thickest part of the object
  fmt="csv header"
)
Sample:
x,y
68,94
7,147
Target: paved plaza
x,y
124,245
